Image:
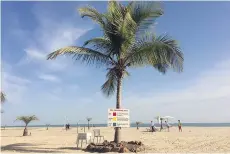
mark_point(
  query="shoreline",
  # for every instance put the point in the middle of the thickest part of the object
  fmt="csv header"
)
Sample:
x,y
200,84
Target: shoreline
x,y
132,125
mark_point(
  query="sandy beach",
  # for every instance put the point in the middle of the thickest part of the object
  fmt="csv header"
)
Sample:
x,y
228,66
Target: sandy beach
x,y
57,140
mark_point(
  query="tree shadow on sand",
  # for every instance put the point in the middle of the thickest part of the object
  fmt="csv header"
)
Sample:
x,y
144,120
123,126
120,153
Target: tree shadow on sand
x,y
11,136
75,148
70,148
25,147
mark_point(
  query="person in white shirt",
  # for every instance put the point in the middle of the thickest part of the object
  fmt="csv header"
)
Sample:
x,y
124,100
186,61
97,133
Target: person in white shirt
x,y
167,125
152,126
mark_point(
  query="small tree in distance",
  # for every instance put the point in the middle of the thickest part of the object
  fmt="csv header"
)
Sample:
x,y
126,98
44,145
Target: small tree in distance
x,y
88,119
138,123
47,126
3,97
26,120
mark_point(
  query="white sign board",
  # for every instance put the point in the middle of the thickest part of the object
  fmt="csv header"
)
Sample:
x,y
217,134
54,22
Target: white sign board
x,y
118,118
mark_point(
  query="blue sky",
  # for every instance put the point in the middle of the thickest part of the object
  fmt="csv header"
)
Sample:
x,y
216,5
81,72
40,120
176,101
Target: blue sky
x,y
55,89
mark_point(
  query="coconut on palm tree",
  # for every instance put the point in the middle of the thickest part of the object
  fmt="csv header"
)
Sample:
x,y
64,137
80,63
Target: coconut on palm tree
x,y
26,120
126,43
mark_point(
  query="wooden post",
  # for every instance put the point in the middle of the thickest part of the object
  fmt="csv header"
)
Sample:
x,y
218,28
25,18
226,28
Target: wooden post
x,y
84,128
77,128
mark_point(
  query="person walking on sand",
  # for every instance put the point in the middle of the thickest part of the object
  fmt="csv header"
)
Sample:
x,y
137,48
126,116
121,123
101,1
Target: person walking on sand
x,y
167,125
152,126
179,126
66,127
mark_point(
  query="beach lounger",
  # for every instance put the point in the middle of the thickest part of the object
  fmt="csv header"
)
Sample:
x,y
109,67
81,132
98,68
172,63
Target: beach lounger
x,y
150,129
97,134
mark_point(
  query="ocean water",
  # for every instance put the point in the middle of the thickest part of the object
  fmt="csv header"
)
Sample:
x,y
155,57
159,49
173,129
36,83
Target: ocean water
x,y
141,125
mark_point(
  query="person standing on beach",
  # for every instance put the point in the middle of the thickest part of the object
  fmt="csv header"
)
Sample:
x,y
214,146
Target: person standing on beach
x,y
167,125
152,126
66,127
179,126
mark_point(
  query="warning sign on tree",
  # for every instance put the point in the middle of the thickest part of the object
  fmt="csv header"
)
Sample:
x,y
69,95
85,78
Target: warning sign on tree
x,y
118,118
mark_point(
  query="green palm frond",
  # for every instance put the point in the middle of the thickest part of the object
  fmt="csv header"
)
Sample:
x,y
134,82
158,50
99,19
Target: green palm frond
x,y
114,12
124,43
144,13
27,119
126,73
161,52
101,44
82,54
3,97
161,67
114,19
127,32
93,14
109,87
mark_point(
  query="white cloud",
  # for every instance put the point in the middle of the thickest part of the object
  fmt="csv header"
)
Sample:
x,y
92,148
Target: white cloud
x,y
50,40
34,54
48,77
14,86
206,100
14,79
49,36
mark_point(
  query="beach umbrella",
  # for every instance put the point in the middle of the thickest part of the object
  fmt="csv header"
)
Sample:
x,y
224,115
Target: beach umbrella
x,y
167,118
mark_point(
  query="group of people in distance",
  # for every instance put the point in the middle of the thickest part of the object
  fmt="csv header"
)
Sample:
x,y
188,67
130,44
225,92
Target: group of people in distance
x,y
154,129
67,126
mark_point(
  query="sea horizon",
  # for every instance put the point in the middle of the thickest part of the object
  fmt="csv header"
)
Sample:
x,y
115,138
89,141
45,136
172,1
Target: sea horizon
x,y
131,125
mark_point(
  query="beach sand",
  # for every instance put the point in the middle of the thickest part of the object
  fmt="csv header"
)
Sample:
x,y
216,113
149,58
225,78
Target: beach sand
x,y
192,139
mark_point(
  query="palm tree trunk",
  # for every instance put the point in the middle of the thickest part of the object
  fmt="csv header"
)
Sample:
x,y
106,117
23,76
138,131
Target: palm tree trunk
x,y
88,125
25,132
117,135
161,124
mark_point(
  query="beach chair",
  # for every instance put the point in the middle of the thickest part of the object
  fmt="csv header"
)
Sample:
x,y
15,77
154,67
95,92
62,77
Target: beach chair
x,y
150,129
83,136
97,135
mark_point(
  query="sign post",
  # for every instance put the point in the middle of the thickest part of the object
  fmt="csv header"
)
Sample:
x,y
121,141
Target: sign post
x,y
118,118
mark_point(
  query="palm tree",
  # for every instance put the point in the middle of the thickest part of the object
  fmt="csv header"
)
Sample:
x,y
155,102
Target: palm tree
x,y
88,119
47,126
3,97
126,43
26,120
138,123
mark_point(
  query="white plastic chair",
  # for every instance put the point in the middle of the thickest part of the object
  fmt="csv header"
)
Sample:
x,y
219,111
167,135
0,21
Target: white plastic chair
x,y
83,136
97,135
